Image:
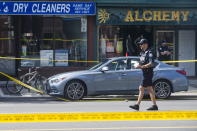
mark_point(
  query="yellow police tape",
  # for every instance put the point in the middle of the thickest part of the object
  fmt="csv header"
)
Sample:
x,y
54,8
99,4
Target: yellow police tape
x,y
99,116
178,61
45,59
21,83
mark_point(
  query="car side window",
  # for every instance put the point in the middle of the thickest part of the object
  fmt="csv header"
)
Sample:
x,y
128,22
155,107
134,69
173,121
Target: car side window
x,y
112,65
122,64
118,65
131,63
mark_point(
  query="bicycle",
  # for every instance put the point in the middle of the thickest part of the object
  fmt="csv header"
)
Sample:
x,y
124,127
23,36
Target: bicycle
x,y
33,79
9,85
5,68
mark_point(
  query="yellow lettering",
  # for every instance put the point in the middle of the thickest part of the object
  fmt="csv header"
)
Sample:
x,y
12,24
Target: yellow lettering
x,y
176,16
166,15
137,16
185,15
129,17
157,15
147,15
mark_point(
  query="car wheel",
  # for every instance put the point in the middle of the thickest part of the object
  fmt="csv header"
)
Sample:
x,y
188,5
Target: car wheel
x,y
74,90
162,89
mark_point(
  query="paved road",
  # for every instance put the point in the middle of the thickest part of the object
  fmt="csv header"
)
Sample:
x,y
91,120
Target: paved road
x,y
178,102
167,125
182,101
50,105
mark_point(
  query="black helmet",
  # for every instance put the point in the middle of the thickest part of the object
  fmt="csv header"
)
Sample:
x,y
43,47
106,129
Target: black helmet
x,y
163,41
143,41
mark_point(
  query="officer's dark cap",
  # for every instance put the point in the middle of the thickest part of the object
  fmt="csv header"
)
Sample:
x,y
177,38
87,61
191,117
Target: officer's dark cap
x,y
163,41
143,41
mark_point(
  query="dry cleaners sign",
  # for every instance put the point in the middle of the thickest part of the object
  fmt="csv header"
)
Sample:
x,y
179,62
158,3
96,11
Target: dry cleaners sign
x,y
47,8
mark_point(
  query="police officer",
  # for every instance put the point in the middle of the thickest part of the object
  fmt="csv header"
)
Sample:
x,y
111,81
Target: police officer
x,y
164,52
146,64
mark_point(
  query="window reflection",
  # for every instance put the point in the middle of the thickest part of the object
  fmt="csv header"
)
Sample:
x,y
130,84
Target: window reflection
x,y
56,40
7,45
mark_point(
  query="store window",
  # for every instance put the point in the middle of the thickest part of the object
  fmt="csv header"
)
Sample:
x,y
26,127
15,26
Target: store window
x,y
55,40
111,44
115,41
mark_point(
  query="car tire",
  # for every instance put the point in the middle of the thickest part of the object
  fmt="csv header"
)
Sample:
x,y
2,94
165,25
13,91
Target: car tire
x,y
74,90
162,89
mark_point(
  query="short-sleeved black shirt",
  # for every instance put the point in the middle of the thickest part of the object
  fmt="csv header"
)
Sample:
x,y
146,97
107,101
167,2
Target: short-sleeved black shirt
x,y
163,57
145,58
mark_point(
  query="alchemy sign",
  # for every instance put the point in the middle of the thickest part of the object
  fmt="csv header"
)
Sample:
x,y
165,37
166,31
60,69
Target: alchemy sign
x,y
146,16
157,16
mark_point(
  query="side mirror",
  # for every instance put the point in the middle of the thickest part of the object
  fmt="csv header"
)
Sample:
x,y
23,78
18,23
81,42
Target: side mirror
x,y
105,68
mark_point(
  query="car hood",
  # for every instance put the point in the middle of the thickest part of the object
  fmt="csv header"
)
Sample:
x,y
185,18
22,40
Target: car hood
x,y
70,73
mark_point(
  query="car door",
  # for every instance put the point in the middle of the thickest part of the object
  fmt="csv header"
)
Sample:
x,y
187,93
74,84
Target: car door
x,y
113,80
134,75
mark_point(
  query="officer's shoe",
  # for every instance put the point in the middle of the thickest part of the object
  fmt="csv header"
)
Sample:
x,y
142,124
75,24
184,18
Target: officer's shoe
x,y
152,108
135,107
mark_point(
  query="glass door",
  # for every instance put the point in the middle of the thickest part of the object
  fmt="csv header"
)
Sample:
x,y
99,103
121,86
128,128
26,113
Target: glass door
x,y
169,38
7,45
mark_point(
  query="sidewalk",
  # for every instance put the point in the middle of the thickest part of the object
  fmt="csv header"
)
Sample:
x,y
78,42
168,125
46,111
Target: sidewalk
x,y
193,82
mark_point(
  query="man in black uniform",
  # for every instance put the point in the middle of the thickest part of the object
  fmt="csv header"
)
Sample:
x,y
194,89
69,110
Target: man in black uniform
x,y
146,64
164,52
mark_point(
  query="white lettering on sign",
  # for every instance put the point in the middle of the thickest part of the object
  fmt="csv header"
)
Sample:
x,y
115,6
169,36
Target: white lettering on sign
x,y
77,5
20,7
34,7
44,7
81,7
88,5
51,8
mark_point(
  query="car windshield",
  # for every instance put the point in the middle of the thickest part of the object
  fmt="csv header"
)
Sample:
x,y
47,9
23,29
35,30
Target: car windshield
x,y
100,64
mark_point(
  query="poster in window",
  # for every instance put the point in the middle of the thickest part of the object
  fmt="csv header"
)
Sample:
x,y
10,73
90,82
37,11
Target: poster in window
x,y
61,57
83,24
24,50
110,47
46,57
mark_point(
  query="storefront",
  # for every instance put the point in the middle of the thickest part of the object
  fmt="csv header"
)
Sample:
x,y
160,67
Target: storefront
x,y
51,35
122,24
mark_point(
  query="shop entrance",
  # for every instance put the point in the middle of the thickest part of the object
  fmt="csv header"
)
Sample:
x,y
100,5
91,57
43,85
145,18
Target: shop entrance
x,y
122,40
131,36
169,37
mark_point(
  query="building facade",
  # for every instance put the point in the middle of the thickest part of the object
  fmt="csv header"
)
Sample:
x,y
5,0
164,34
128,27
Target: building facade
x,y
120,24
72,35
51,35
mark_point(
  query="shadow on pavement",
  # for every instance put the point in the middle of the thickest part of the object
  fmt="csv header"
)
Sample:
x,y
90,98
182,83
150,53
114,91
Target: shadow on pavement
x,y
26,99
